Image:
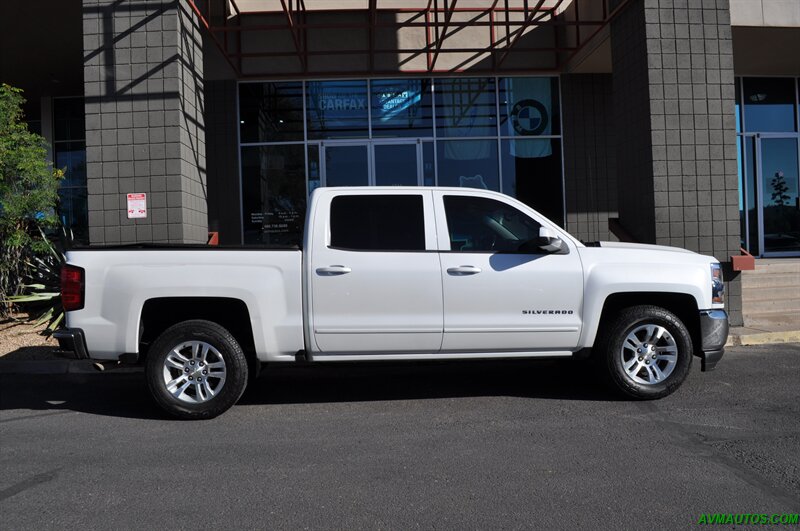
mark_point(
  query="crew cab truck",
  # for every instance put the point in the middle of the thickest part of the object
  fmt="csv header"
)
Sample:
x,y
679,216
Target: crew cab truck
x,y
394,274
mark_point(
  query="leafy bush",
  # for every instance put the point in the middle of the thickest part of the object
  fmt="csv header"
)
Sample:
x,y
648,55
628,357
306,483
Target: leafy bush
x,y
28,196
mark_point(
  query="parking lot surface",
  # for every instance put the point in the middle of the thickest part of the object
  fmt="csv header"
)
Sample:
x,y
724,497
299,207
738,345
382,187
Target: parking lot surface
x,y
442,445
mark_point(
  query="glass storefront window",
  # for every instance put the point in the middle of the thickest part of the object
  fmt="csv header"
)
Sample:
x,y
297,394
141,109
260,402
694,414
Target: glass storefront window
x,y
401,107
337,109
68,119
271,112
428,166
529,106
273,194
69,154
466,107
314,168
468,164
769,104
738,105
346,164
527,167
491,133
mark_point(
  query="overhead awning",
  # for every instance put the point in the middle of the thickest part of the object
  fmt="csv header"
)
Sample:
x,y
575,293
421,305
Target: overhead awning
x,y
291,38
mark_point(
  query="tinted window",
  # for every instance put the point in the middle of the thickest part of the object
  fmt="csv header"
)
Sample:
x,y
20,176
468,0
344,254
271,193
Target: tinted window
x,y
477,224
378,223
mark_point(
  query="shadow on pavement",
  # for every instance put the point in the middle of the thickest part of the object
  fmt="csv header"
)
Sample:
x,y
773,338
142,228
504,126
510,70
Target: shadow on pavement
x,y
126,394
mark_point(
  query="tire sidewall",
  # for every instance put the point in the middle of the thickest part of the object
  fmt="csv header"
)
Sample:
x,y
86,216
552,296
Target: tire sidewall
x,y
631,319
235,368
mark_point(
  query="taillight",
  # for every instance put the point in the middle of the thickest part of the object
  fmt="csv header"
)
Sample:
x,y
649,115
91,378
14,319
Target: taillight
x,y
72,287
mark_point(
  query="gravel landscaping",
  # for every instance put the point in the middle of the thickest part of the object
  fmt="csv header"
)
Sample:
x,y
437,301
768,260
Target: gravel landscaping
x,y
22,341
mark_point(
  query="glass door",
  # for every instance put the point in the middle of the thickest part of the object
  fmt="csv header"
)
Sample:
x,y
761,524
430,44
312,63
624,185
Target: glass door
x,y
778,184
370,163
345,164
397,164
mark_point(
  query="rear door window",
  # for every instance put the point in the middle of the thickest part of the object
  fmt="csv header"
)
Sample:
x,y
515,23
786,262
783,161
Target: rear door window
x,y
378,223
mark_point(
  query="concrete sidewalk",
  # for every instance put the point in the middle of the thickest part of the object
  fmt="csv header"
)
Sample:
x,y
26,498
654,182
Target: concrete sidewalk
x,y
766,329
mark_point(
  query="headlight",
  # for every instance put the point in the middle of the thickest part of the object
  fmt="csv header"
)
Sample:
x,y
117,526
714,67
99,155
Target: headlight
x,y
717,285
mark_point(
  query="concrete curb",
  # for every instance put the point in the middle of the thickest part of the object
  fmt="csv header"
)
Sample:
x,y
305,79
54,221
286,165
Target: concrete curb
x,y
763,338
57,367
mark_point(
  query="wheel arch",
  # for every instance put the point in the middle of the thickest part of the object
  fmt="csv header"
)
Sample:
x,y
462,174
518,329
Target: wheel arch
x,y
160,313
683,305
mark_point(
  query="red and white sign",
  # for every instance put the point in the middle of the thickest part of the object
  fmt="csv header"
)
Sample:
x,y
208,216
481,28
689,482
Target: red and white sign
x,y
137,206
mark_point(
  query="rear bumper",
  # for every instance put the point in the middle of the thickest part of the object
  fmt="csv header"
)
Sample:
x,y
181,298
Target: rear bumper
x,y
71,343
713,336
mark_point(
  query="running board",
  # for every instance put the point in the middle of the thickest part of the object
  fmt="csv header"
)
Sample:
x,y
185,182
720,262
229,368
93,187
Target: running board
x,y
440,356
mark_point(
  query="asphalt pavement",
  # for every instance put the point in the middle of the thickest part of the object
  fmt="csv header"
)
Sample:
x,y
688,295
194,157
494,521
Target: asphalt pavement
x,y
462,445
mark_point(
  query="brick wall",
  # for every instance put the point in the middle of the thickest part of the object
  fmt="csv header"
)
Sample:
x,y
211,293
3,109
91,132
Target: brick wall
x,y
589,155
144,123
674,101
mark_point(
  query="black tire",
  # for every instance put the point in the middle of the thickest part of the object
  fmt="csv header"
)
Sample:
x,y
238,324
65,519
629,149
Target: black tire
x,y
230,389
613,358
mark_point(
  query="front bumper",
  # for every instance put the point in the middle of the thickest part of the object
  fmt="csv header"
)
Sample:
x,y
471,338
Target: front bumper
x,y
713,336
71,343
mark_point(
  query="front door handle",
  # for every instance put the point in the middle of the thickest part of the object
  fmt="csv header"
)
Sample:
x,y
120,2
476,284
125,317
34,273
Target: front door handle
x,y
333,270
464,270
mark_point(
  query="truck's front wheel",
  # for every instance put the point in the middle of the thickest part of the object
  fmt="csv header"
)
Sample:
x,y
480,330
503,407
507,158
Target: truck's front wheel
x,y
647,352
196,370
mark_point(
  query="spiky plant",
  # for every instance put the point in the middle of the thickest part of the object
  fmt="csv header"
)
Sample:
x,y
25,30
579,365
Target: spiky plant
x,y
41,296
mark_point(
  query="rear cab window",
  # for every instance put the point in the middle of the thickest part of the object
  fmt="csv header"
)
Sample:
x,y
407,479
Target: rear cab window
x,y
377,223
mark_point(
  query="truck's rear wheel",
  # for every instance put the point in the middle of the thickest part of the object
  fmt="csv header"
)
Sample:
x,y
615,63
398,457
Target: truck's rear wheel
x,y
196,370
647,352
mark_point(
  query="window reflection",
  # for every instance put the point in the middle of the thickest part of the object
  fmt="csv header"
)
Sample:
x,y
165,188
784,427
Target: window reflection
x,y
466,107
337,109
69,154
779,175
273,194
528,167
529,106
271,112
769,104
401,107
468,164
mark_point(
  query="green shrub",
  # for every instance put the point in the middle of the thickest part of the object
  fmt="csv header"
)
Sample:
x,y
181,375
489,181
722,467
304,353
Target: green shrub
x,y
28,196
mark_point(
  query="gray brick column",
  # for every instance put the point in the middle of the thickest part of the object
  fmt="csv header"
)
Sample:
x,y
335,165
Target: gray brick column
x,y
674,103
143,84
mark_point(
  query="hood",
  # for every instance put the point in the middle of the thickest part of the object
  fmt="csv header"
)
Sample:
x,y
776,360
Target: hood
x,y
642,246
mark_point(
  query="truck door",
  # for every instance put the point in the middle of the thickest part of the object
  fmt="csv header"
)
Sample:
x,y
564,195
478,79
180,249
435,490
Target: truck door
x,y
375,279
501,295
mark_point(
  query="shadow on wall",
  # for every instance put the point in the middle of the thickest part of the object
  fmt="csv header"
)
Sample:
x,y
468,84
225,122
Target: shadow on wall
x,y
477,41
143,70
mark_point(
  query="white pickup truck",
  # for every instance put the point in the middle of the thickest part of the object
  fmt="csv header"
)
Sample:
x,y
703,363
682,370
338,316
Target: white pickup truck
x,y
394,274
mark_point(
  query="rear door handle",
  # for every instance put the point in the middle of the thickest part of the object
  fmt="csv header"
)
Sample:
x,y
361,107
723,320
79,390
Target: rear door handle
x,y
333,270
464,270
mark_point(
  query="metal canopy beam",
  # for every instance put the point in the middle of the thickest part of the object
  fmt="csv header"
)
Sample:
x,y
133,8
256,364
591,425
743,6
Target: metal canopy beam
x,y
437,19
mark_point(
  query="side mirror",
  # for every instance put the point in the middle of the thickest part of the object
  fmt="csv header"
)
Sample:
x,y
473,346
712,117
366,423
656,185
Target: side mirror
x,y
550,242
